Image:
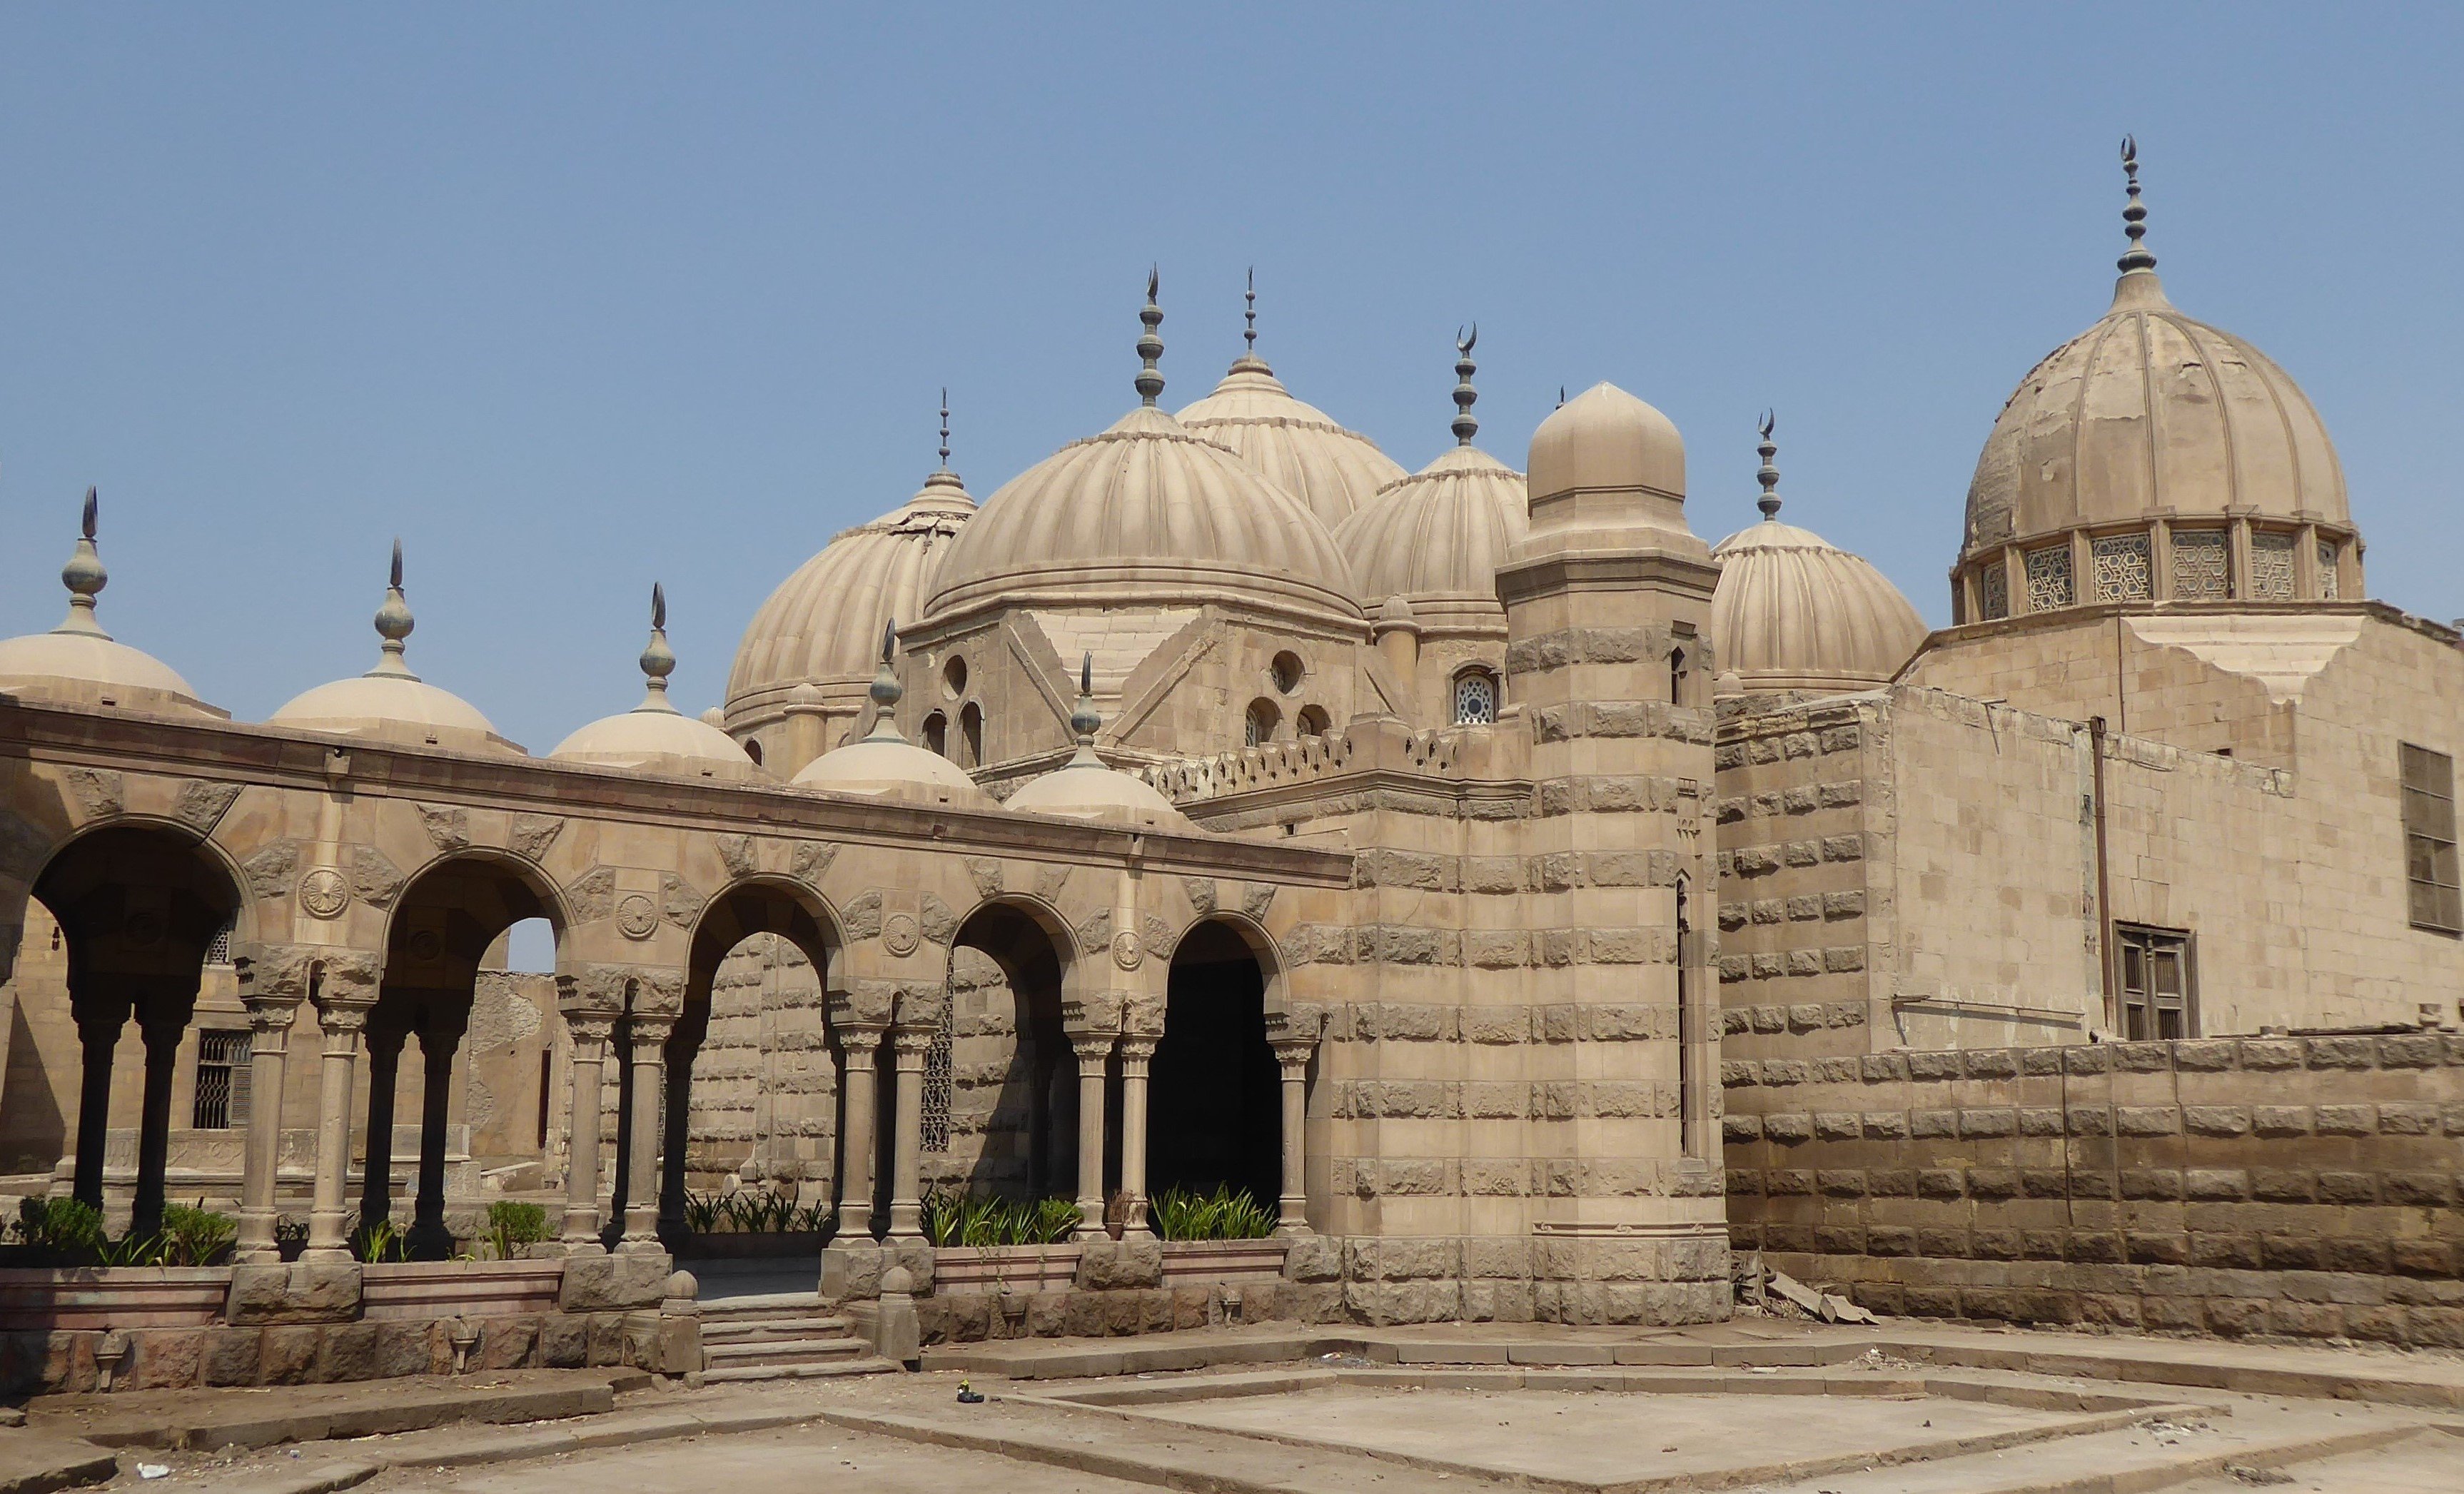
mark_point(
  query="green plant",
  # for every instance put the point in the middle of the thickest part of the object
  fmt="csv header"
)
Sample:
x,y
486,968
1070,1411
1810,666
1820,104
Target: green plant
x,y
381,1241
1225,1214
64,1224
702,1213
195,1235
513,1224
133,1250
952,1218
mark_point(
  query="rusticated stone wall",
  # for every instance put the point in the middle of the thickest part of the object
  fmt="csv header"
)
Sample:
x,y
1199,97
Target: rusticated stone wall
x,y
2300,1186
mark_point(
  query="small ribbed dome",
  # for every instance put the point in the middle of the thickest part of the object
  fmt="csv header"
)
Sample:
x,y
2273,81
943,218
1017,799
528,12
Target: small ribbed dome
x,y
885,764
1436,539
389,703
1145,513
1293,445
78,664
1084,789
655,736
1795,611
825,621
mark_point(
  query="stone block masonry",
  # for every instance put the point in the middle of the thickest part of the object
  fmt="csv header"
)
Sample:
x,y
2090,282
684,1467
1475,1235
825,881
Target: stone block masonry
x,y
2297,1187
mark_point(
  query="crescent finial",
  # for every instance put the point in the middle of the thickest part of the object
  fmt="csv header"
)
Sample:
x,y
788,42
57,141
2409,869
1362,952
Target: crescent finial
x,y
658,605
92,504
394,577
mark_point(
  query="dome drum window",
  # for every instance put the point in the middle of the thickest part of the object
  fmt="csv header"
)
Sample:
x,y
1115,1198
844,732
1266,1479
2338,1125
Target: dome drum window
x,y
1258,727
2049,579
954,676
2123,569
1475,698
1994,590
2201,569
2328,587
2271,566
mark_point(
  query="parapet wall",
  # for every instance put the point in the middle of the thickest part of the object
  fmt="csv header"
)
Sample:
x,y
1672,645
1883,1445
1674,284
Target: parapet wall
x,y
2304,1187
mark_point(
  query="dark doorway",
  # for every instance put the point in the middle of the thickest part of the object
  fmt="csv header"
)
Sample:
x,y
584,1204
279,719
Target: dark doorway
x,y
1030,1148
1215,1108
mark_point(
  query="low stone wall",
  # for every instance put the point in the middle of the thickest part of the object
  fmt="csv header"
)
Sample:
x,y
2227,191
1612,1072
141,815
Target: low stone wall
x,y
2305,1187
312,1322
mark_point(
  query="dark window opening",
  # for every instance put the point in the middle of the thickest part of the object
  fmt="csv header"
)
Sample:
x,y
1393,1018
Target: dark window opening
x,y
546,1089
222,1080
971,735
936,735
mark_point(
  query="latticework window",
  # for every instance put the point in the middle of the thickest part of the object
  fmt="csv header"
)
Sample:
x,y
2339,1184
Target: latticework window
x,y
2122,569
2049,578
218,951
2200,572
2330,585
1995,587
1475,698
1258,727
2271,566
937,1086
222,1079
2430,839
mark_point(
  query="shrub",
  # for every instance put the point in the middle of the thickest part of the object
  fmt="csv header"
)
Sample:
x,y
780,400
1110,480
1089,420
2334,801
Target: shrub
x,y
195,1235
1225,1214
952,1218
382,1240
61,1224
512,1225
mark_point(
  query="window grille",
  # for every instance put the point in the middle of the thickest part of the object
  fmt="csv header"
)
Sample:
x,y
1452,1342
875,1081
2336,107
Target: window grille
x,y
2121,571
2200,572
218,950
2156,996
1996,584
2049,578
2330,584
1475,698
2430,839
222,1079
2271,566
938,1087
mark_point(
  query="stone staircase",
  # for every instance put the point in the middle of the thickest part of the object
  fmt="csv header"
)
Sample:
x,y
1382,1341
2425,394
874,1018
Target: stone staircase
x,y
781,1337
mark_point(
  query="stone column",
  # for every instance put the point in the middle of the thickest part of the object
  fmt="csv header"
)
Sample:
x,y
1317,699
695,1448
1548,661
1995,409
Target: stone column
x,y
162,1032
1093,1050
344,1025
580,1232
440,1038
269,1043
907,1144
386,1033
861,1045
1136,1052
98,1036
642,1168
1292,1056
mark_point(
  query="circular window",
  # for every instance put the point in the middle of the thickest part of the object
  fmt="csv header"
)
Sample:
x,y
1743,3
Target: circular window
x,y
1288,671
954,676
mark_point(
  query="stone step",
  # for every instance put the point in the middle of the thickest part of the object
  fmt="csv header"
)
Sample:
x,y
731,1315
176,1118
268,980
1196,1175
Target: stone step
x,y
824,1369
762,1305
730,1330
786,1351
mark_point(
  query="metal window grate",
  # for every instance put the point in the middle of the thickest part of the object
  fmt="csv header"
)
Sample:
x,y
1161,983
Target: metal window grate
x,y
2049,579
222,1079
939,1086
218,950
2200,570
2271,566
2429,869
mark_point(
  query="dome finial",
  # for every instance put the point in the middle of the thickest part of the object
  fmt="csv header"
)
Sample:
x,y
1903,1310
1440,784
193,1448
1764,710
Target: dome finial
x,y
393,623
658,660
1084,721
1150,345
1249,314
2134,215
84,577
945,428
1768,476
887,691
1465,426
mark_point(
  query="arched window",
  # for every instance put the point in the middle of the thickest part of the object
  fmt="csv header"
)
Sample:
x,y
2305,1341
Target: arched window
x,y
1475,698
1676,676
753,750
971,733
936,735
1314,721
1259,728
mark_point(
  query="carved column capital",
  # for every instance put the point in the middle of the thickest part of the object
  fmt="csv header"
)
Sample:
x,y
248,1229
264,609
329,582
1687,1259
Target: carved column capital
x,y
1092,1047
651,1035
1138,1050
1292,1055
861,1037
912,1043
593,1030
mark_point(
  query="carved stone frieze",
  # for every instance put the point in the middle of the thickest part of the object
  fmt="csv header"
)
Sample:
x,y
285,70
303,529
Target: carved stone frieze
x,y
531,835
592,895
272,869
940,920
323,893
1257,899
860,918
680,900
201,804
1201,895
448,826
1095,932
1049,881
610,990
1158,937
736,853
99,792
811,860
987,873
374,876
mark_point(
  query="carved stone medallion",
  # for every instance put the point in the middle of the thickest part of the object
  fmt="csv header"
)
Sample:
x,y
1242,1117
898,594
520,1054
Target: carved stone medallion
x,y
323,893
900,933
637,917
1126,952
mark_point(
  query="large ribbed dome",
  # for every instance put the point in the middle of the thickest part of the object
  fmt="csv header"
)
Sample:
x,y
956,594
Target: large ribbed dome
x,y
1795,611
1293,445
1437,538
823,623
1145,513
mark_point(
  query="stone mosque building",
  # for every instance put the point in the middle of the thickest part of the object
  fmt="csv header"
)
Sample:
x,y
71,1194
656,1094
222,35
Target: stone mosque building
x,y
1454,859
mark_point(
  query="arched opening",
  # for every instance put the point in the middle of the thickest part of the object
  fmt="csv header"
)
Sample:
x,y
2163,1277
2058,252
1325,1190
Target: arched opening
x,y
936,735
971,734
450,994
1214,1113
753,750
1015,1136
1676,676
1258,727
106,1070
1475,698
753,1091
1689,1030
1314,721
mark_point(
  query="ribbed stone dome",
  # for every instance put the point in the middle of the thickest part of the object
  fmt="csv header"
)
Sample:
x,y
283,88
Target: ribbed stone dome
x,y
823,625
1437,538
1794,611
78,664
1293,445
389,703
1145,513
654,737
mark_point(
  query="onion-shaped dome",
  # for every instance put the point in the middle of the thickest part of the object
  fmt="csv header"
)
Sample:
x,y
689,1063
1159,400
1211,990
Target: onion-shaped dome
x,y
655,736
1436,539
1146,513
2149,414
885,764
1084,789
78,664
1294,445
1794,611
389,703
822,624
1605,460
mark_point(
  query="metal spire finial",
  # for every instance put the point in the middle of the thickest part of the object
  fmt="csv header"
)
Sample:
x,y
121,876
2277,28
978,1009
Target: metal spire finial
x,y
658,660
393,622
1561,396
84,576
1084,721
1249,314
1465,426
945,428
1768,476
1150,345
2134,215
887,691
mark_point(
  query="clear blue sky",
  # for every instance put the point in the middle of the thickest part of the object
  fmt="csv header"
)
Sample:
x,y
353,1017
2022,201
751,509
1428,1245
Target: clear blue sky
x,y
577,298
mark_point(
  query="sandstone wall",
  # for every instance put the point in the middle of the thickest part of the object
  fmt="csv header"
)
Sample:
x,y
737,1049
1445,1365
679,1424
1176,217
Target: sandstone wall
x,y
2304,1186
